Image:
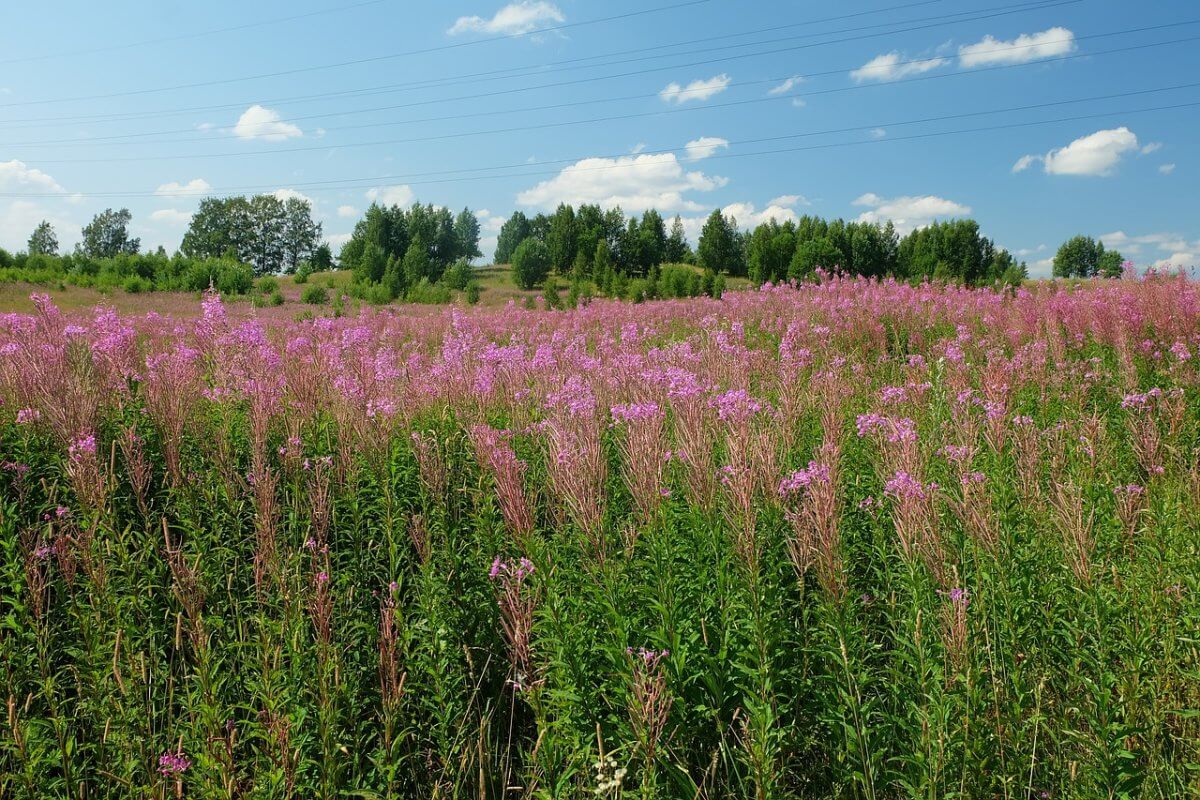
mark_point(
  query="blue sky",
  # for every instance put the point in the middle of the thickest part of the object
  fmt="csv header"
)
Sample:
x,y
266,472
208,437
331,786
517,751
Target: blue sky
x,y
761,109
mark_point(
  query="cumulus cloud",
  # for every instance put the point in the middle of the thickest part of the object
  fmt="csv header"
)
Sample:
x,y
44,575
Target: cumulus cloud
x,y
1166,169
893,66
1150,147
1095,154
20,217
1026,47
511,20
749,217
635,183
1162,249
288,194
696,90
171,216
787,85
17,176
258,122
176,189
789,200
347,211
908,213
337,240
397,195
704,147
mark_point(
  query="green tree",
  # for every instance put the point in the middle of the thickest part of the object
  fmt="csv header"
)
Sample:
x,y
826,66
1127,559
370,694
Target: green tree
x,y
1084,257
530,263
43,241
466,236
300,235
1110,264
676,250
814,254
107,235
220,225
562,239
416,261
322,258
718,249
652,233
394,280
514,231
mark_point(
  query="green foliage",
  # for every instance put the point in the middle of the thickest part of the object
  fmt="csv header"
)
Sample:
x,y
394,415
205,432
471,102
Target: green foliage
x,y
267,284
473,293
530,264
107,236
459,275
1085,257
43,241
429,293
718,249
314,295
271,234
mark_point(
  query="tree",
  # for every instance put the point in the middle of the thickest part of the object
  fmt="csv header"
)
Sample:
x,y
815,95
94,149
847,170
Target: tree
x,y
676,250
393,276
220,225
653,235
1084,257
268,226
718,248
301,233
416,261
107,235
466,235
43,241
561,239
322,258
819,253
530,263
514,231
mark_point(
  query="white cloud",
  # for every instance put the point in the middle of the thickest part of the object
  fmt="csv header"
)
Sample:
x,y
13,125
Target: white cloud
x,y
696,90
257,122
1151,147
176,189
1134,245
511,20
336,240
1095,154
1042,268
17,176
893,66
635,183
1166,169
288,194
748,217
789,200
20,217
171,216
1181,259
1026,47
347,211
908,213
704,147
878,133
1025,162
1028,251
398,195
787,85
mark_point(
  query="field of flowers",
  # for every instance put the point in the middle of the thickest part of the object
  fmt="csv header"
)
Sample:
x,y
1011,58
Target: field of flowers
x,y
854,539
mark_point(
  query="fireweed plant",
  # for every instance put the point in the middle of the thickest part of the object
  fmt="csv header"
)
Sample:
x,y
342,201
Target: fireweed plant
x,y
851,539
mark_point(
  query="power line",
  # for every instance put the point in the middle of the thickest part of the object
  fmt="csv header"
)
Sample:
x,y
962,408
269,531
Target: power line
x,y
359,61
530,69
490,94
610,118
113,139
196,35
327,185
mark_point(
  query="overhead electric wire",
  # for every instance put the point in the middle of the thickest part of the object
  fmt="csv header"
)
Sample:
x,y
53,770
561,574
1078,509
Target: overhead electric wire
x,y
344,183
532,69
592,120
368,60
116,139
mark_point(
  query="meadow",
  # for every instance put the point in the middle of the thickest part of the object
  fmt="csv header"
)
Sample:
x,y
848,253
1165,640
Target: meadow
x,y
851,539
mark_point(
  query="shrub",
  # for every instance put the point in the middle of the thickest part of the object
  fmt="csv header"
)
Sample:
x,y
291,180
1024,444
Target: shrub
x,y
459,275
472,293
315,295
530,264
267,284
136,284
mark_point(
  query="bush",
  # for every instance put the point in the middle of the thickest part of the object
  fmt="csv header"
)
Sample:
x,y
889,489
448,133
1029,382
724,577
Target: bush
x,y
459,275
136,284
267,284
473,293
301,276
315,295
376,294
429,293
530,264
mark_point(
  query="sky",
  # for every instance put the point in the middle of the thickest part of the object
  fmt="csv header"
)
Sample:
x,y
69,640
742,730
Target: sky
x,y
1041,119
